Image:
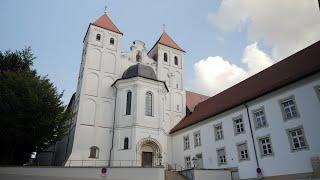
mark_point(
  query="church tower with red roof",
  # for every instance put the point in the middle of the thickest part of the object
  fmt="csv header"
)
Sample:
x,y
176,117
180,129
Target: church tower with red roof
x,y
170,64
94,99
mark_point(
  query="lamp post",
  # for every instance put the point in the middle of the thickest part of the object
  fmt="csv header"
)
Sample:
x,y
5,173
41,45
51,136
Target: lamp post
x,y
194,160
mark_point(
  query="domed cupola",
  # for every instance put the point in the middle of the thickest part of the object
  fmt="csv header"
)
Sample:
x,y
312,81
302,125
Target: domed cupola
x,y
139,70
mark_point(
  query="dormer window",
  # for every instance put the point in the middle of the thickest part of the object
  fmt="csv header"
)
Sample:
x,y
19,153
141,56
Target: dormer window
x,y
165,57
98,37
111,41
176,60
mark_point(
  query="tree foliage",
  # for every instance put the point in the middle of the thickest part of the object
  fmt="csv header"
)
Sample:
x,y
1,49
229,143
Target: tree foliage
x,y
32,115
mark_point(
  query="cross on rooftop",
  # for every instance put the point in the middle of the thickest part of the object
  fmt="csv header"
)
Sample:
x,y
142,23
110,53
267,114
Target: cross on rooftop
x,y
105,9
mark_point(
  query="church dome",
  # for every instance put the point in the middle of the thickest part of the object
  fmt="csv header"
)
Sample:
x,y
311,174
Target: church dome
x,y
139,70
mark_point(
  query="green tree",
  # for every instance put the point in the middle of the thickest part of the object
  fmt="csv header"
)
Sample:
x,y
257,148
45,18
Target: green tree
x,y
32,114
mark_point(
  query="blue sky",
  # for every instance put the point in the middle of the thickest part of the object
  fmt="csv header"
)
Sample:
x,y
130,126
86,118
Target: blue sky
x,y
55,30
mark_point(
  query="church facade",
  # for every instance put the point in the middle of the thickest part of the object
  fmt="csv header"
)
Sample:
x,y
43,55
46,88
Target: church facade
x,y
127,102
132,109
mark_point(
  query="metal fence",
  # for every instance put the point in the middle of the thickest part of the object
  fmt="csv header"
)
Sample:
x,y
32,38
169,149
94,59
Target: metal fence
x,y
107,163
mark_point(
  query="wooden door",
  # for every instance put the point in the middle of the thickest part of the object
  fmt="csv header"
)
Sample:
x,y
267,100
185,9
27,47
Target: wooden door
x,y
146,159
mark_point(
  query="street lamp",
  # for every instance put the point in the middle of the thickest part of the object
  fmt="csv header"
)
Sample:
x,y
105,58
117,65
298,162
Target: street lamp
x,y
194,160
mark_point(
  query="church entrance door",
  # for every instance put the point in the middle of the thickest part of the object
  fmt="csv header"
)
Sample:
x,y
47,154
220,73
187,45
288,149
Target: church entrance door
x,y
146,159
149,152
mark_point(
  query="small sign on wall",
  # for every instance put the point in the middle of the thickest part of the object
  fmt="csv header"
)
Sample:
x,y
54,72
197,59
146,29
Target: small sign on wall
x,y
104,171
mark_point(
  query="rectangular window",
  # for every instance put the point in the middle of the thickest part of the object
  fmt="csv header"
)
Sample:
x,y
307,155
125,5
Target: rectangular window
x,y
265,146
221,153
199,161
259,118
197,139
297,138
186,142
243,151
289,109
238,125
218,131
187,162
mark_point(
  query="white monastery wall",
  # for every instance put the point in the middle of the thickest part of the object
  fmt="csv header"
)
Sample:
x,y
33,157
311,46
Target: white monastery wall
x,y
284,160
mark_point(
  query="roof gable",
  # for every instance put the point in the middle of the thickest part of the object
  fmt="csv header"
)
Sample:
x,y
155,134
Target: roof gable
x,y
193,99
105,22
166,40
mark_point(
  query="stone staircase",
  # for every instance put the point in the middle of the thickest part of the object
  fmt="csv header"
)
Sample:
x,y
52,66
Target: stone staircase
x,y
173,175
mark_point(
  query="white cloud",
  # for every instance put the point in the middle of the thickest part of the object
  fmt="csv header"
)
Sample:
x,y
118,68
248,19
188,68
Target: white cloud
x,y
286,25
255,59
214,74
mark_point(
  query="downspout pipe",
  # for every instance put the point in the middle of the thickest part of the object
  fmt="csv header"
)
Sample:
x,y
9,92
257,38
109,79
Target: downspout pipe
x,y
113,126
253,140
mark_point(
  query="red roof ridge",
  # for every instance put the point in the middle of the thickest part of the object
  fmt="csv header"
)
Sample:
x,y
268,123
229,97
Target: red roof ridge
x,y
106,23
289,70
166,40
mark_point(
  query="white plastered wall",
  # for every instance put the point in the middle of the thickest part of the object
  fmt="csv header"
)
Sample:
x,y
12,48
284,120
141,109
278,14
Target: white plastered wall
x,y
284,161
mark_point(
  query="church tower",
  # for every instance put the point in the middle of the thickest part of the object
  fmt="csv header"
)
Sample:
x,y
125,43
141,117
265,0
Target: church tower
x,y
95,98
170,68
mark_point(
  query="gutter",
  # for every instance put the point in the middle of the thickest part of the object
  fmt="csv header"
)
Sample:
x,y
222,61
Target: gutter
x,y
252,138
113,125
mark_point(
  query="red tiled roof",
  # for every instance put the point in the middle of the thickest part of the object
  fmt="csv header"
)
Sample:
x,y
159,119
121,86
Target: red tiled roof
x,y
295,67
193,99
105,22
166,40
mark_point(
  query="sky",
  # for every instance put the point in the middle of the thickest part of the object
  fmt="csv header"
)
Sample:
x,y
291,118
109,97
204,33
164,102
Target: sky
x,y
226,41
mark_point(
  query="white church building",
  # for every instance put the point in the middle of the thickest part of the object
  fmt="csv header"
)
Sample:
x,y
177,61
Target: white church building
x,y
127,102
132,109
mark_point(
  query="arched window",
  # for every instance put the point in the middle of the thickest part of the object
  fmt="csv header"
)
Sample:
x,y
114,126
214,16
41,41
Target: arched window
x,y
126,143
98,37
176,60
138,56
128,107
111,41
148,105
94,152
165,57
